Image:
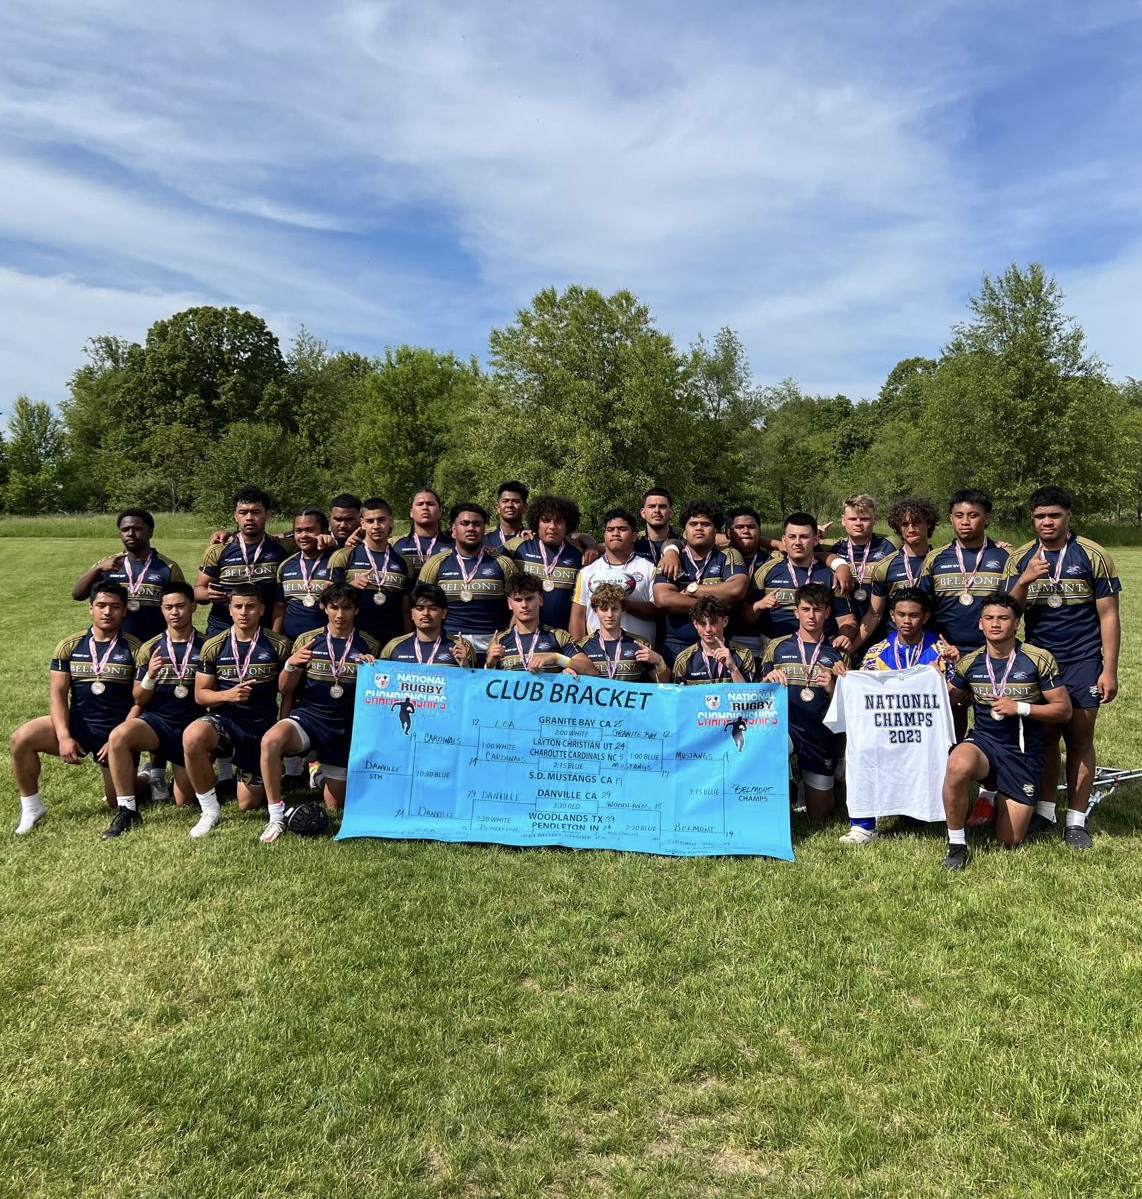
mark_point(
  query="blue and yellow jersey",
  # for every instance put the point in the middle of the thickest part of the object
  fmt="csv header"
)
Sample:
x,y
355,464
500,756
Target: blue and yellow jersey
x,y
1033,672
718,566
894,654
315,694
477,607
781,577
225,567
783,654
866,558
416,549
147,577
382,607
1062,617
163,702
266,659
495,540
294,591
954,619
619,659
652,550
693,666
558,576
890,575
432,653
520,646
77,655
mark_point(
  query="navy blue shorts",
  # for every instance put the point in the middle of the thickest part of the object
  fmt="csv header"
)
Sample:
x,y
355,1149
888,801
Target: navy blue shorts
x,y
242,744
92,738
329,741
1081,681
169,735
815,748
1010,773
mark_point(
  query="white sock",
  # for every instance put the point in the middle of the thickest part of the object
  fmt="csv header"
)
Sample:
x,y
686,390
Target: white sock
x,y
986,794
208,802
31,803
277,812
225,768
1075,819
1046,809
31,809
127,801
957,836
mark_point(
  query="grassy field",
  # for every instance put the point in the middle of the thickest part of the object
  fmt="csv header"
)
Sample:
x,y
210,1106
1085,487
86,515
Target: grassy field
x,y
412,1019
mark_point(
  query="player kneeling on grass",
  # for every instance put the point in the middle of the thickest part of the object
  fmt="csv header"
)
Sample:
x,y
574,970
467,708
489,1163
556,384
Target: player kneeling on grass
x,y
164,705
429,644
808,665
713,659
320,678
612,649
237,682
90,693
909,643
1015,690
528,645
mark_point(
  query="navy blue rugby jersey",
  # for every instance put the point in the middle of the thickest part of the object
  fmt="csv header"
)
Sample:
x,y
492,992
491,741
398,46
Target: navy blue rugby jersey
x,y
1032,672
982,573
182,659
259,661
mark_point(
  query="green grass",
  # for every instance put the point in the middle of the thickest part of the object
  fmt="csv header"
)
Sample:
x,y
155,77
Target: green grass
x,y
415,1019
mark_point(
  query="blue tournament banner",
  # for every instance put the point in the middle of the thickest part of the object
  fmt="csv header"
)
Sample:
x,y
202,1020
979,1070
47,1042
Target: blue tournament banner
x,y
516,758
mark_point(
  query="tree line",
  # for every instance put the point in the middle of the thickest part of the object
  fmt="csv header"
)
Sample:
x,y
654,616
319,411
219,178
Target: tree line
x,y
582,395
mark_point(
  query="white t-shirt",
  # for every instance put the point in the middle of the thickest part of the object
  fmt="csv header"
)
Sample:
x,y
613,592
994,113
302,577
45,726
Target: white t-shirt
x,y
899,726
635,575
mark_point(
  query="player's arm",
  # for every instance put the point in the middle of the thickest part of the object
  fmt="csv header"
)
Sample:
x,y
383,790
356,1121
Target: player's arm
x,y
670,560
145,676
279,616
1110,628
847,633
292,673
668,598
1055,709
60,708
206,589
728,659
1018,585
870,622
87,580
577,625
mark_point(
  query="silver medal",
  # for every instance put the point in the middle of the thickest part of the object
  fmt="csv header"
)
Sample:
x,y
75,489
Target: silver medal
x,y
379,598
692,588
1054,600
548,584
808,694
336,691
996,715
309,601
133,605
966,599
466,596
98,687
860,594
181,691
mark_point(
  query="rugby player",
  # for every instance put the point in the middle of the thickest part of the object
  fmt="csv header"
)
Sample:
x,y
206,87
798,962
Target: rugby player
x,y
89,694
861,549
303,576
527,643
320,678
1069,590
251,558
743,528
713,659
382,574
616,652
474,579
657,510
165,669
237,682
344,520
703,569
429,644
1015,690
808,665
549,556
618,564
424,538
511,500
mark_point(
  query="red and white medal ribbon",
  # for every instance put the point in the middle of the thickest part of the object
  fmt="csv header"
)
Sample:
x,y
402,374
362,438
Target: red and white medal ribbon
x,y
612,666
526,659
423,555
98,665
911,656
249,562
465,576
335,666
307,578
1000,686
243,668
431,653
134,586
809,664
549,568
969,578
378,572
180,668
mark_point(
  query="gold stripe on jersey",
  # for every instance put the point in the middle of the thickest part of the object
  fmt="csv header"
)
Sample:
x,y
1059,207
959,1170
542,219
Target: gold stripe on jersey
x,y
259,672
1027,690
320,668
113,672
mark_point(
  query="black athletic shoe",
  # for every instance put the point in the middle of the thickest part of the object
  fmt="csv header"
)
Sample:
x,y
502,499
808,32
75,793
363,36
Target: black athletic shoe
x,y
1077,838
122,822
957,857
1040,825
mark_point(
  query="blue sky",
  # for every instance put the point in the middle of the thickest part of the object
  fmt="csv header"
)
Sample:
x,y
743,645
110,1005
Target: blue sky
x,y
830,180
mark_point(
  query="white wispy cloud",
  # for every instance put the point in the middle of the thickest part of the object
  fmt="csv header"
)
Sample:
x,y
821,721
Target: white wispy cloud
x,y
819,177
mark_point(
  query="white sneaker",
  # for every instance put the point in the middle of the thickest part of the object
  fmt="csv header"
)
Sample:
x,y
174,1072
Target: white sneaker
x,y
207,821
272,831
29,818
859,836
